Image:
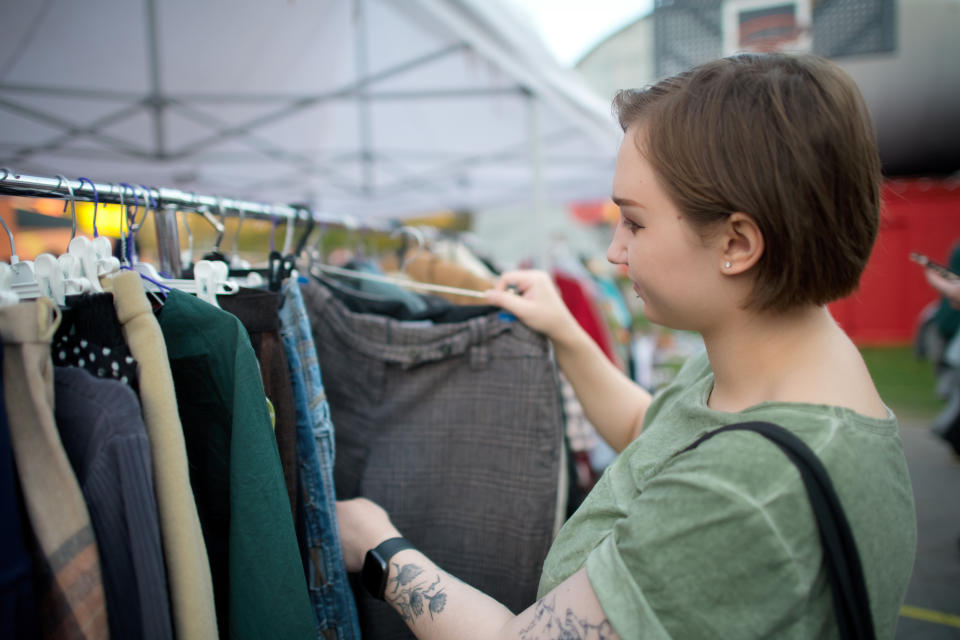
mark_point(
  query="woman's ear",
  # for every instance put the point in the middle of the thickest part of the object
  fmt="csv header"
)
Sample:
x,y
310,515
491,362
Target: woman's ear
x,y
742,243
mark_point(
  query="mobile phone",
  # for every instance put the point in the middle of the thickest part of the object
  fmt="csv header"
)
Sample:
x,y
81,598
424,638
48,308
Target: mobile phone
x,y
919,258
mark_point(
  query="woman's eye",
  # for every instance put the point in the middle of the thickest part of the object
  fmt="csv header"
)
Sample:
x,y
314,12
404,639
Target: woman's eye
x,y
630,225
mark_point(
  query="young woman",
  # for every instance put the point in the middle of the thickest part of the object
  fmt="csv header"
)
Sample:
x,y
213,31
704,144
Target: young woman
x,y
749,196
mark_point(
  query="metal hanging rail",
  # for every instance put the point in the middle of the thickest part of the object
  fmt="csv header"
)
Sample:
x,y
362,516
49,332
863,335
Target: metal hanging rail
x,y
18,184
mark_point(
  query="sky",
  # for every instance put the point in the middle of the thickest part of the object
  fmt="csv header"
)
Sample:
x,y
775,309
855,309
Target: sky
x,y
570,28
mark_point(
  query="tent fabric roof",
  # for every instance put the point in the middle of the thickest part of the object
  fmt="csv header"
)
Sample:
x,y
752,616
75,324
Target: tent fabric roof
x,y
367,107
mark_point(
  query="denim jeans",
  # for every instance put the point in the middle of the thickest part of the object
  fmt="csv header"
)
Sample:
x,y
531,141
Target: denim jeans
x,y
330,591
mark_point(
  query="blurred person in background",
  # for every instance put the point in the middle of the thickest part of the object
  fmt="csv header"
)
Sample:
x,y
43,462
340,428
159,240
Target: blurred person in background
x,y
749,197
946,320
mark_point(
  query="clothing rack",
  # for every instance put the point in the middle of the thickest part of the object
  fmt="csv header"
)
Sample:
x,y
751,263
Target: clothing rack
x,y
166,202
14,183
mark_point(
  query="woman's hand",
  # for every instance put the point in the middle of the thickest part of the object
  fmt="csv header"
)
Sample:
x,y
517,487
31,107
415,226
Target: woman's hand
x,y
950,288
363,525
536,303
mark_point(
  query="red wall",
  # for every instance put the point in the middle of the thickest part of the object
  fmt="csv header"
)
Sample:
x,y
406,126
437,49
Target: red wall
x,y
919,215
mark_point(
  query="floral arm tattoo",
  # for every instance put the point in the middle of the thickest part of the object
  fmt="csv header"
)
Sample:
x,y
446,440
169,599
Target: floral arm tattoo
x,y
412,593
549,622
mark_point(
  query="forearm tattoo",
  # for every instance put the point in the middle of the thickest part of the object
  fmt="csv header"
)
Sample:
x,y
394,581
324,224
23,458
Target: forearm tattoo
x,y
548,622
413,593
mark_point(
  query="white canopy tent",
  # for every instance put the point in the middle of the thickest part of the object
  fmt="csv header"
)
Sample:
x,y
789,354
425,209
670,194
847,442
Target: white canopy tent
x,y
373,108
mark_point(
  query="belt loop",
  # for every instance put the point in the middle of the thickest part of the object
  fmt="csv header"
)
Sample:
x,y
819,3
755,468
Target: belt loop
x,y
474,332
479,351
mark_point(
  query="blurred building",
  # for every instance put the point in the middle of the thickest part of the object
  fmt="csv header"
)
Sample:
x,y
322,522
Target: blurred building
x,y
902,54
623,60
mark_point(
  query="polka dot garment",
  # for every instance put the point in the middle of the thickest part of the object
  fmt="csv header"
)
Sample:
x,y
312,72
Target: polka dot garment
x,y
102,361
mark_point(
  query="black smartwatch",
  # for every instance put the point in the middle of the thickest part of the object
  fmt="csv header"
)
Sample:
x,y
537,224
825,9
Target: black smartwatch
x,y
376,565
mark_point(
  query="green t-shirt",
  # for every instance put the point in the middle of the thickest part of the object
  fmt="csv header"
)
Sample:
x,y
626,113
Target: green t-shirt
x,y
721,542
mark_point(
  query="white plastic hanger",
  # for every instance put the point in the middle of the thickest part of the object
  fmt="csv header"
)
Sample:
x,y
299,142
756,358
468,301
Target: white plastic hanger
x,y
85,265
19,279
156,283
88,258
58,277
210,276
49,272
7,295
21,271
50,280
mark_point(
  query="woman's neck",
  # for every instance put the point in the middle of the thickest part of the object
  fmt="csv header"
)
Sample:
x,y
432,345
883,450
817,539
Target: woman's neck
x,y
771,357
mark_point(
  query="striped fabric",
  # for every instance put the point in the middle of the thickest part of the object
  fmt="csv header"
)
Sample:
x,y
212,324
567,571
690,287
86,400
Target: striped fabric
x,y
106,442
71,601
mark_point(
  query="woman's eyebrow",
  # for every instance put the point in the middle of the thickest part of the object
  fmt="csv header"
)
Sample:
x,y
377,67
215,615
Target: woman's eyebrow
x,y
624,202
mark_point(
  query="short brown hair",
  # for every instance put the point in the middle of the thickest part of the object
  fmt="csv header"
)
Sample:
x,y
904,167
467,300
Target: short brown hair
x,y
785,139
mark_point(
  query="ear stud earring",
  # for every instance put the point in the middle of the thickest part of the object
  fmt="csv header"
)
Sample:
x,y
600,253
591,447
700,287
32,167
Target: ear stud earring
x,y
727,264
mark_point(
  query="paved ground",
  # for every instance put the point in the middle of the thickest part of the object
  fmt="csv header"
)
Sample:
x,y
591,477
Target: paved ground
x,y
933,600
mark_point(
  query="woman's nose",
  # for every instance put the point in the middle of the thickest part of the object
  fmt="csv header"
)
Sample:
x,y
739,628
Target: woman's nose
x,y
616,252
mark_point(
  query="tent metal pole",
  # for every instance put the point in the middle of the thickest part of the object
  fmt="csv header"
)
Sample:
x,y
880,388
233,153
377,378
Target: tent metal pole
x,y
363,103
155,101
536,171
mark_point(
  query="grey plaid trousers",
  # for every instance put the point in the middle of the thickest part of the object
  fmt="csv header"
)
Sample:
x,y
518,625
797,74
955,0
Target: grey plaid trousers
x,y
456,430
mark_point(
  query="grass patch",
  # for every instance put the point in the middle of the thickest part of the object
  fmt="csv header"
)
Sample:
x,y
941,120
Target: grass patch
x,y
905,383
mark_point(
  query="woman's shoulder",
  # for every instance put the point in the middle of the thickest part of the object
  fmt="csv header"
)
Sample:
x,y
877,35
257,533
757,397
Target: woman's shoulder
x,y
862,455
841,379
843,437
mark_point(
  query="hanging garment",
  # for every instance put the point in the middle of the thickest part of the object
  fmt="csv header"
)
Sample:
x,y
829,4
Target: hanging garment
x,y
258,582
611,300
71,601
581,438
585,310
437,310
90,337
425,266
330,594
580,432
410,301
18,612
456,431
463,256
104,437
257,312
188,570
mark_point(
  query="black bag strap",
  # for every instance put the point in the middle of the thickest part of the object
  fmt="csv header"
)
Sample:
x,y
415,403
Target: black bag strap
x,y
844,570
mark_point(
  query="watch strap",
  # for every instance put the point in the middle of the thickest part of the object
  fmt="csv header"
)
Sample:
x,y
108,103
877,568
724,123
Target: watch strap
x,y
388,548
379,557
